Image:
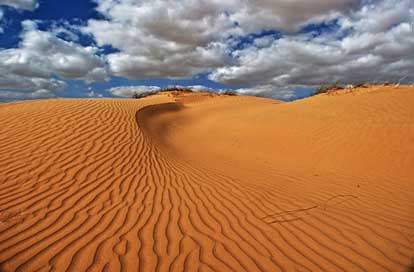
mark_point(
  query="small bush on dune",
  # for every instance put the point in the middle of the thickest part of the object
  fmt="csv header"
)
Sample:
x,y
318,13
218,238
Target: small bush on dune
x,y
176,89
329,88
321,89
173,90
141,95
325,88
361,85
229,92
136,95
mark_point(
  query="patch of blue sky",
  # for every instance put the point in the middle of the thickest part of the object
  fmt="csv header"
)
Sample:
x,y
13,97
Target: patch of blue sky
x,y
49,13
318,29
242,42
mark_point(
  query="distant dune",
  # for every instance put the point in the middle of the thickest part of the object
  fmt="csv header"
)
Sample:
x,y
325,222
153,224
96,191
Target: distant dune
x,y
202,182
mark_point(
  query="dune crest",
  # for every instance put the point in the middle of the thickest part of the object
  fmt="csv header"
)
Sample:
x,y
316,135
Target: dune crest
x,y
198,182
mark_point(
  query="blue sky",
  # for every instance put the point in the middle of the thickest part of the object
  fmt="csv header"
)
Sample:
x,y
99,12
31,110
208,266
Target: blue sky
x,y
83,48
77,12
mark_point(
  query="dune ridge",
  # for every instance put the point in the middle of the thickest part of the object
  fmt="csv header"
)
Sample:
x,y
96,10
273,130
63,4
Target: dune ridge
x,y
196,182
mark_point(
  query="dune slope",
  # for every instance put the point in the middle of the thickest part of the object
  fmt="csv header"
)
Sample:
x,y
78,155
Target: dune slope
x,y
197,182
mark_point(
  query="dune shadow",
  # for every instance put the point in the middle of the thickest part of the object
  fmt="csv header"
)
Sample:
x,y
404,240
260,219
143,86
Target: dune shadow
x,y
150,122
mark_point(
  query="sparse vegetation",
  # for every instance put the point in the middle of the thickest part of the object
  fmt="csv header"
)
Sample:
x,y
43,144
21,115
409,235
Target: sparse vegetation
x,y
229,92
360,85
176,91
325,88
321,89
331,88
173,90
141,95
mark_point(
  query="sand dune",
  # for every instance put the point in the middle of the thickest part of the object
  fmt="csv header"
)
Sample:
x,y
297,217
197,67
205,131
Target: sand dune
x,y
197,182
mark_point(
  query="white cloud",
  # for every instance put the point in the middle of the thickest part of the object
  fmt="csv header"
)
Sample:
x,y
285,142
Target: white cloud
x,y
174,65
287,15
10,81
282,93
372,50
94,94
368,40
166,38
20,4
7,96
128,91
201,88
154,46
65,29
179,39
379,16
42,60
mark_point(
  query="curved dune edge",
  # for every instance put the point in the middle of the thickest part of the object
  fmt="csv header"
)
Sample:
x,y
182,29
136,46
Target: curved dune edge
x,y
209,183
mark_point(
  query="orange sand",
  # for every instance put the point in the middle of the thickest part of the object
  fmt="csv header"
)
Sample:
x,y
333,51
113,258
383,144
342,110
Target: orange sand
x,y
197,182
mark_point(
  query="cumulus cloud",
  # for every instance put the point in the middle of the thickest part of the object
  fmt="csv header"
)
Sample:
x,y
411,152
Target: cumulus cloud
x,y
270,91
128,91
9,81
287,15
268,47
93,94
166,38
158,41
42,61
65,29
201,88
163,38
20,4
378,16
369,50
7,96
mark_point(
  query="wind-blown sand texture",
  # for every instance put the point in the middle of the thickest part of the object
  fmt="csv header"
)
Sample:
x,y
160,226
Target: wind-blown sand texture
x,y
197,182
